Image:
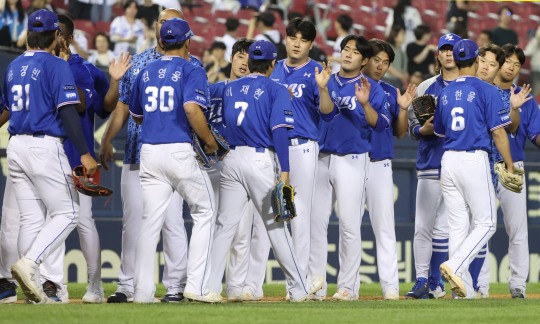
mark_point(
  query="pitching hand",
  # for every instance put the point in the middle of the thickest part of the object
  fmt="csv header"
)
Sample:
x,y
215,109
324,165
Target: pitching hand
x,y
362,91
518,99
119,67
323,76
404,100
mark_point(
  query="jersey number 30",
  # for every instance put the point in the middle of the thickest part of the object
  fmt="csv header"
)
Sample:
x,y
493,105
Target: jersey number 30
x,y
162,97
458,121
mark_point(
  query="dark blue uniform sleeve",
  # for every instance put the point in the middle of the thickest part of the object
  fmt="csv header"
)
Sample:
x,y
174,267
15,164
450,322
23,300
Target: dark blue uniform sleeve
x,y
493,102
282,113
135,105
196,88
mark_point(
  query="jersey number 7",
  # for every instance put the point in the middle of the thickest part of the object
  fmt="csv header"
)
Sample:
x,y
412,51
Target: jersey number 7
x,y
243,106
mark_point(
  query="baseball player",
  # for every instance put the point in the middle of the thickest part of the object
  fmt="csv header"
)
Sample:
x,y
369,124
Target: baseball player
x,y
430,244
168,96
467,112
350,113
239,255
514,205
41,101
257,113
380,183
174,234
296,72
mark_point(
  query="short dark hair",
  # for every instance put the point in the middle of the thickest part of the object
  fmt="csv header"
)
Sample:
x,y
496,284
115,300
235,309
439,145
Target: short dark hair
x,y
466,63
259,66
505,7
303,26
421,30
242,45
294,14
218,45
345,21
128,3
173,46
362,45
495,49
488,33
511,49
379,45
68,23
267,18
232,24
40,40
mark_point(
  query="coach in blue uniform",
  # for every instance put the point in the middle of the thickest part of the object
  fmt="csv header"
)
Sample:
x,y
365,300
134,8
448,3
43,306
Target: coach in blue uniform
x,y
41,99
350,113
168,95
466,116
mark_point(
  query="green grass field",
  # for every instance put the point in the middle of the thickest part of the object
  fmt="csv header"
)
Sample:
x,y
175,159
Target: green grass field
x,y
370,309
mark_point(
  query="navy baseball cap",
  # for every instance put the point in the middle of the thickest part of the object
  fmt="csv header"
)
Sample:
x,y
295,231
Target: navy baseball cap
x,y
48,19
262,50
464,50
175,30
448,39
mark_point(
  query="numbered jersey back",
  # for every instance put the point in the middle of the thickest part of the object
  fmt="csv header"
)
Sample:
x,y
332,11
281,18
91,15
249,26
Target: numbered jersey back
x,y
253,106
159,94
36,85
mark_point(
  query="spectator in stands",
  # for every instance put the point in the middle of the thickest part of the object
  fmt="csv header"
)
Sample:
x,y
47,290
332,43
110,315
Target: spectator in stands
x,y
79,45
404,14
458,13
460,30
503,34
397,72
264,23
38,4
128,32
485,37
421,53
220,68
533,50
230,36
12,24
342,25
101,10
80,9
102,55
148,13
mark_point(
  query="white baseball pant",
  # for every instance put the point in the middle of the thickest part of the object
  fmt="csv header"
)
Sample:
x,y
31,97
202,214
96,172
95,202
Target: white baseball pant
x,y
252,172
166,168
466,185
346,176
380,203
431,221
174,235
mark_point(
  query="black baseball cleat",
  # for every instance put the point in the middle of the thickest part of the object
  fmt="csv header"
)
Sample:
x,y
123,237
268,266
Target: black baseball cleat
x,y
49,288
173,298
119,298
420,290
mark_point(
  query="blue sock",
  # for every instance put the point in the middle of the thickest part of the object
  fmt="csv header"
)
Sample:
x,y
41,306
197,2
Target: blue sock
x,y
439,254
476,266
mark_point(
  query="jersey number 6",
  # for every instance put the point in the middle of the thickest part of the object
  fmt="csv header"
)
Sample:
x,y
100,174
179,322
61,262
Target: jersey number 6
x,y
458,122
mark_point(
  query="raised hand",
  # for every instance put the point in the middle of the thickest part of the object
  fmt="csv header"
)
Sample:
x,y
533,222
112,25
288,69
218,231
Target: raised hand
x,y
119,67
404,100
362,91
518,99
323,76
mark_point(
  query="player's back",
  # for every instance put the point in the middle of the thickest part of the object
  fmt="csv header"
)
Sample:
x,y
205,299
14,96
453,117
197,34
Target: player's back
x,y
161,90
36,85
252,107
467,114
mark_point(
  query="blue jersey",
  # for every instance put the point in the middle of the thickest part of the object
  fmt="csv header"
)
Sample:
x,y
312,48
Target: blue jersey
x,y
253,107
140,61
95,86
215,113
348,132
430,148
36,85
159,94
382,143
467,112
300,81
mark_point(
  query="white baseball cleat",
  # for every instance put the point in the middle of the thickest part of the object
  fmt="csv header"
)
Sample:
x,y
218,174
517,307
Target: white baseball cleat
x,y
209,297
458,287
248,295
94,293
437,293
315,284
391,294
344,295
27,274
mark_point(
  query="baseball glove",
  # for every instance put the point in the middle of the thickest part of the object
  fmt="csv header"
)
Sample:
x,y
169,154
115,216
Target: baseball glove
x,y
424,107
511,181
283,202
208,160
89,185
